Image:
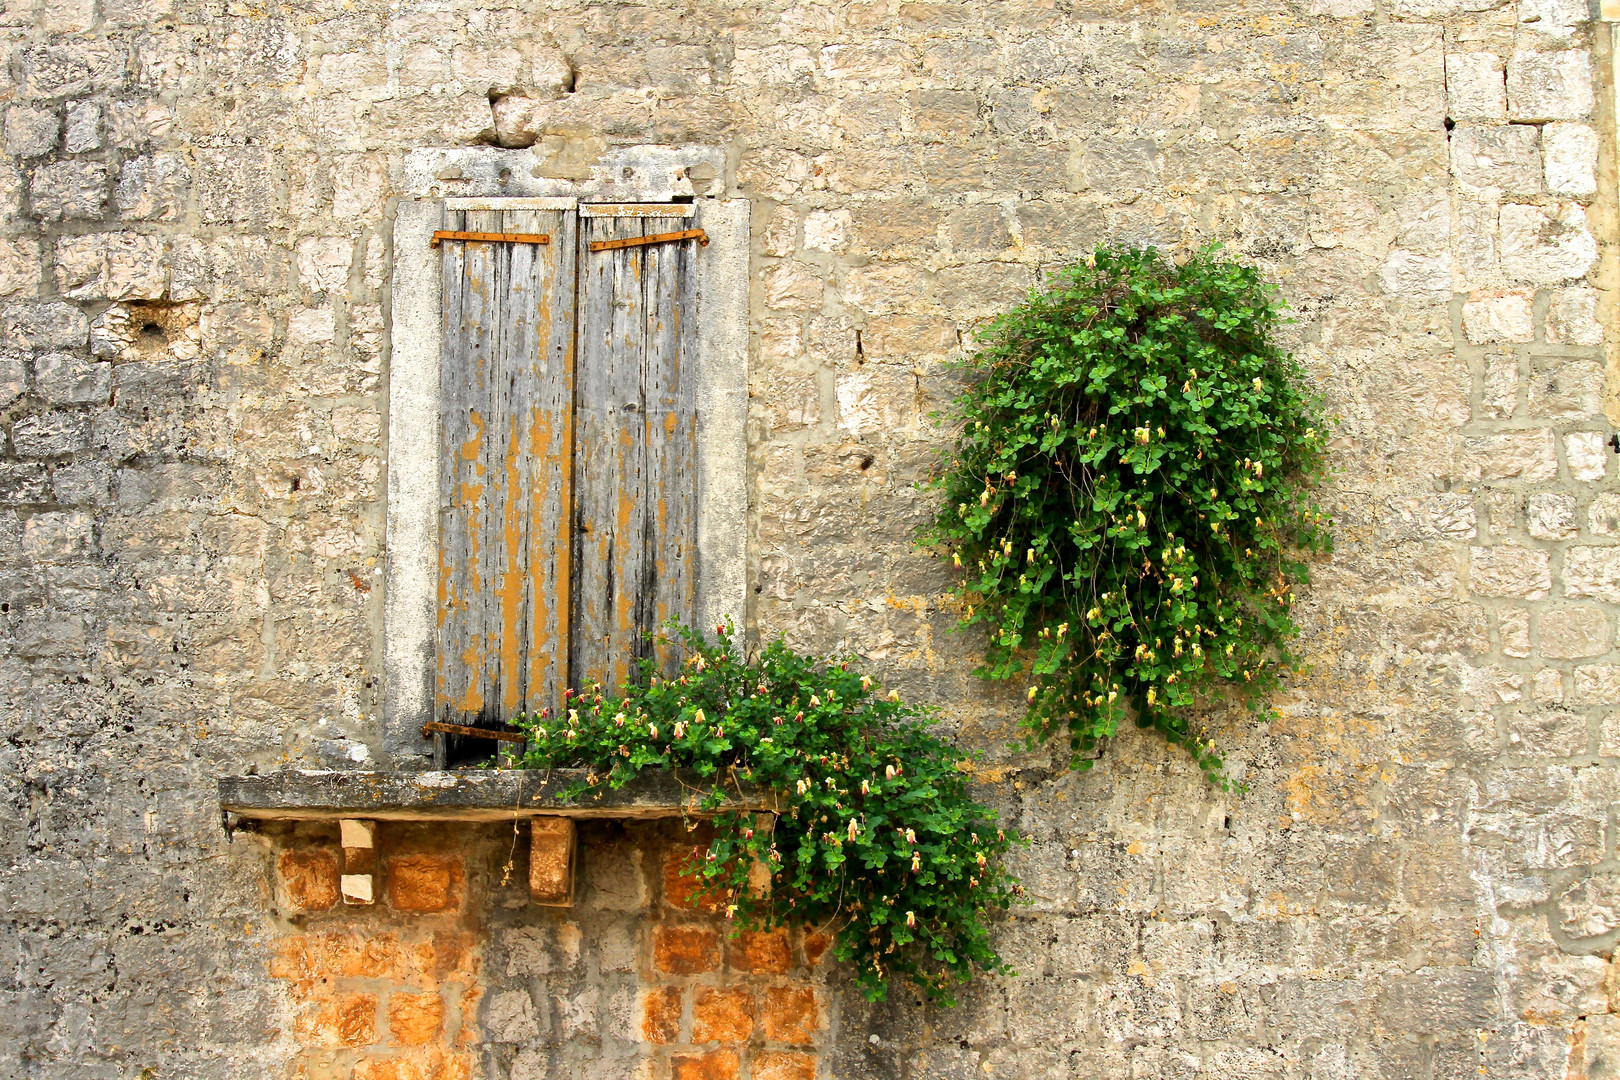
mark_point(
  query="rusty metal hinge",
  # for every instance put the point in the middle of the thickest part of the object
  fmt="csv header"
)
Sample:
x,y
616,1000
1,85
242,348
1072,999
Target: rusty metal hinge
x,y
473,732
657,238
492,237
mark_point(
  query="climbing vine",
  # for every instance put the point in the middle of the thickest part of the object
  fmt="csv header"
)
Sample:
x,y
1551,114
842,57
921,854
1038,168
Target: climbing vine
x,y
1129,499
878,837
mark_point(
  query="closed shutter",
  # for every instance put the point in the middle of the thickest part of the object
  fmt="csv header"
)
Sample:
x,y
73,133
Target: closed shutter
x,y
506,393
568,486
635,463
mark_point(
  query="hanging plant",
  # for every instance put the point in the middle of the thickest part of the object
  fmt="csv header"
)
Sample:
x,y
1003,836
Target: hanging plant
x,y
878,836
1129,499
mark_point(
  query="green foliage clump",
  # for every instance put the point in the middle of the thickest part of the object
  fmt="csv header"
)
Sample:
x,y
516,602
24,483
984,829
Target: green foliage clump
x,y
1129,498
878,834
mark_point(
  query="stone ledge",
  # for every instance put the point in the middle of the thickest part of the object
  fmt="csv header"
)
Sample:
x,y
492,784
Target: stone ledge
x,y
470,795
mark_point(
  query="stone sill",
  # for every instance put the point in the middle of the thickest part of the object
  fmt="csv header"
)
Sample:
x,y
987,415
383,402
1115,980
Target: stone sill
x,y
467,795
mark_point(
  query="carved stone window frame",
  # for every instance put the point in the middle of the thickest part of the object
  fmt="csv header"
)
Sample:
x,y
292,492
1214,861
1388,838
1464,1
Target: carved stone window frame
x,y
487,178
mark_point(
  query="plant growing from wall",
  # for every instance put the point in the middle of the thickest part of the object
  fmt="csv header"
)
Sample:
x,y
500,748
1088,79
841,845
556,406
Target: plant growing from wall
x,y
878,835
1129,498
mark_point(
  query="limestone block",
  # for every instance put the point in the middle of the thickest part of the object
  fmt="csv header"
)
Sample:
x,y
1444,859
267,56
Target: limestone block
x,y
1406,272
1600,1049
238,184
1548,689
487,71
792,286
1546,245
323,263
880,289
1591,909
358,185
1550,516
68,190
1499,316
1572,317
1564,387
1593,572
551,861
83,130
53,434
44,326
1476,86
1550,85
82,484
876,398
311,327
1587,453
111,266
423,65
1511,570
69,69
153,186
65,379
58,537
1501,391
1603,516
351,71
19,267
827,230
519,119
1569,157
1553,19
1597,684
1569,633
31,132
1525,455
1513,627
1500,158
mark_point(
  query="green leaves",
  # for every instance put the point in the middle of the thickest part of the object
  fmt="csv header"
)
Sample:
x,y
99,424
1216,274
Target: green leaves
x,y
1129,497
879,836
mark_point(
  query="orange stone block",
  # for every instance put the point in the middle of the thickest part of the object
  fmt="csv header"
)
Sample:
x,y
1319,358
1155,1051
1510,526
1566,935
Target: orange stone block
x,y
425,883
551,861
431,1064
661,1014
685,950
791,1014
815,947
345,1020
715,1065
308,960
415,1019
309,878
683,881
788,1065
762,952
720,1015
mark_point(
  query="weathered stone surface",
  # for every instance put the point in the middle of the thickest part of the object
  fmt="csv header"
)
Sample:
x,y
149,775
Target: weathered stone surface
x,y
1549,85
1546,245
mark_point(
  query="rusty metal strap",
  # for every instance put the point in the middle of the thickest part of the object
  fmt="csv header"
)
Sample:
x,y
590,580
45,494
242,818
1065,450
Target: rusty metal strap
x,y
492,237
657,238
472,732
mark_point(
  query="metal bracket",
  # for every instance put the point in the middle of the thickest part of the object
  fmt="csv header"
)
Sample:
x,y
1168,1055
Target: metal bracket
x,y
491,237
657,238
472,732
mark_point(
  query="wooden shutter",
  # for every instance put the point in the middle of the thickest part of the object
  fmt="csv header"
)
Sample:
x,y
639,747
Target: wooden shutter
x,y
635,463
506,392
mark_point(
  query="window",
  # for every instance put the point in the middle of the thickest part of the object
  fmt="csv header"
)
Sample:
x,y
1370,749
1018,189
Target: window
x,y
586,446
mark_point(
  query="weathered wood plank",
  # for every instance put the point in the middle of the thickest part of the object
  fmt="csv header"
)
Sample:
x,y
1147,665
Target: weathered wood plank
x,y
609,449
671,422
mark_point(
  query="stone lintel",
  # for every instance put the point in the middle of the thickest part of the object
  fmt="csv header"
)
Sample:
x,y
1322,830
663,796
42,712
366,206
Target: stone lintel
x,y
469,795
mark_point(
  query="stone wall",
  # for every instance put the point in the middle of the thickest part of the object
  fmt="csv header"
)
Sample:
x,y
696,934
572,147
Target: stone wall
x,y
195,199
